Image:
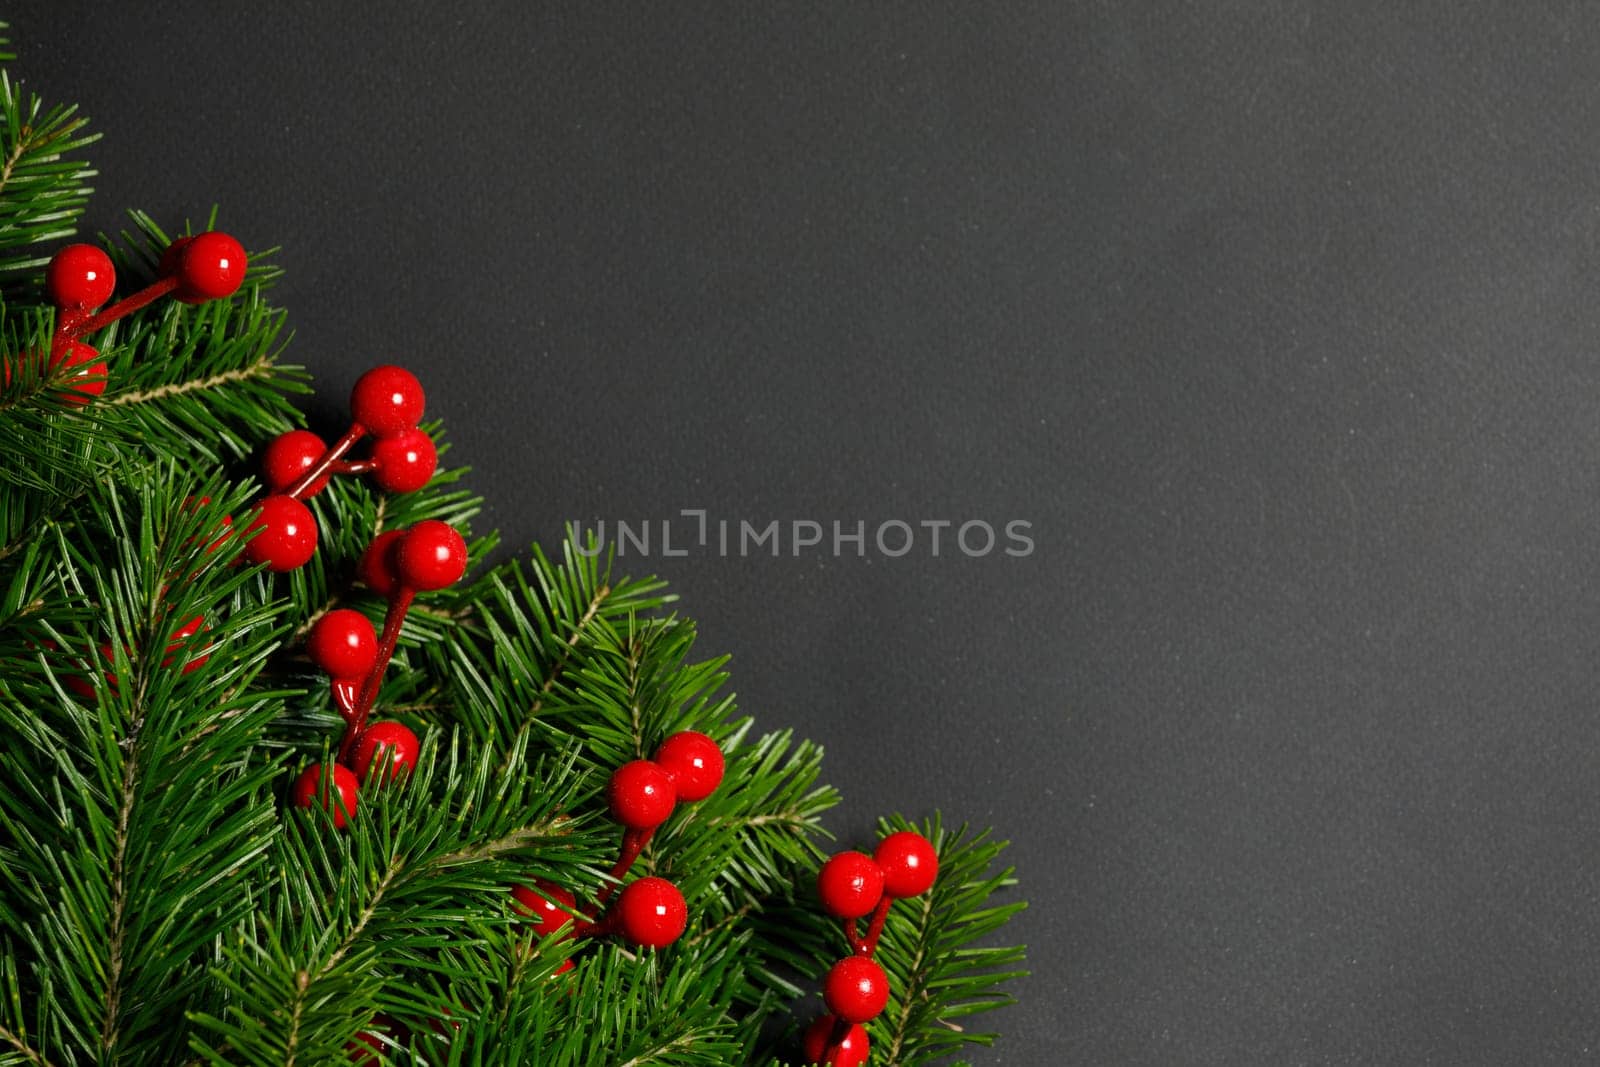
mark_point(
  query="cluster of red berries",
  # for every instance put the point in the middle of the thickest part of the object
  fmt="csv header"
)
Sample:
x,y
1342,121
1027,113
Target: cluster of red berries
x,y
398,564
641,795
81,277
387,403
852,886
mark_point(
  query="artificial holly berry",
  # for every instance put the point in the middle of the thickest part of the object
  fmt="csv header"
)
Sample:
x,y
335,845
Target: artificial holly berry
x,y
308,788
79,684
384,752
343,643
652,912
210,266
641,795
289,456
431,555
404,461
548,906
180,637
851,1052
910,865
386,400
172,258
856,989
80,278
695,763
377,567
287,536
383,1035
227,526
84,384
850,885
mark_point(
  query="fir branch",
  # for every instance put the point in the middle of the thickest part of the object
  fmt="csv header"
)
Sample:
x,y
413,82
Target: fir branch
x,y
261,369
937,971
22,1048
116,930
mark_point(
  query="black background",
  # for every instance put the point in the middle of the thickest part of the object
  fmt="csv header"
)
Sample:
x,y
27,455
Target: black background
x,y
1277,322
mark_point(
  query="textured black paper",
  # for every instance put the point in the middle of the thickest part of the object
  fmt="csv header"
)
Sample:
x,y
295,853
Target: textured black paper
x,y
1274,323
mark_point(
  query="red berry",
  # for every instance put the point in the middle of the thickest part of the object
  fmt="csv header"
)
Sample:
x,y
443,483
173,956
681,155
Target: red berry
x,y
850,885
856,989
405,461
385,751
343,643
180,637
386,400
548,906
80,684
172,258
308,788
227,527
289,456
909,864
430,556
641,795
210,267
82,384
851,1052
652,912
80,277
383,1036
377,567
695,763
287,537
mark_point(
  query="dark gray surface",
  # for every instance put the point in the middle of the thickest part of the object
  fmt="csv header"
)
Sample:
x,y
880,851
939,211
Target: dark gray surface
x,y
1276,320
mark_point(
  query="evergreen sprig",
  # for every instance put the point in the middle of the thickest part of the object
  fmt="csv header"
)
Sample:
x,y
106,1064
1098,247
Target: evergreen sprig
x,y
161,902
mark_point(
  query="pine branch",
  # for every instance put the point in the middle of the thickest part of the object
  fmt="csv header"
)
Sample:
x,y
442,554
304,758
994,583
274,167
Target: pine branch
x,y
41,191
938,974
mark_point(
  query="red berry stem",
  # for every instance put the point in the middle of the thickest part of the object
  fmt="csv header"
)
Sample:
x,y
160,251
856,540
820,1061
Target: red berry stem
x,y
345,695
866,946
399,603
633,842
314,473
604,926
126,306
355,466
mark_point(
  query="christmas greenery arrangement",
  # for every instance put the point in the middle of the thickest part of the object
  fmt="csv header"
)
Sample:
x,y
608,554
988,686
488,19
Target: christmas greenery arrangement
x,y
293,773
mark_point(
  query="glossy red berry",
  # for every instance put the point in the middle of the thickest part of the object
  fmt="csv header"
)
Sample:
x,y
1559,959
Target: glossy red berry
x,y
405,461
851,1052
641,795
80,278
377,567
80,684
856,989
850,885
384,752
695,763
386,400
289,456
86,377
308,790
181,639
343,643
383,1037
652,912
548,906
210,266
172,258
287,536
909,864
431,555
